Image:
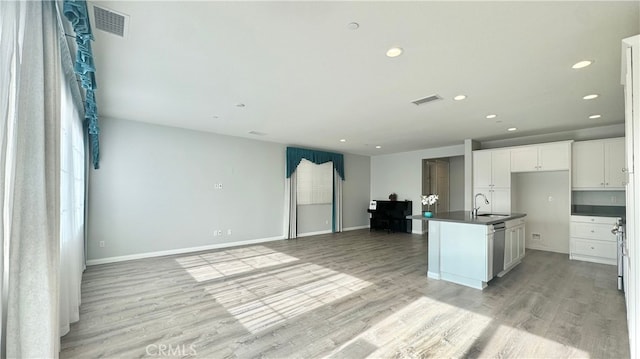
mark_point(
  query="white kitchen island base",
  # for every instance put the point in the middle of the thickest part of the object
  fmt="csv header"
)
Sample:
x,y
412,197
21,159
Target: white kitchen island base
x,y
461,247
461,253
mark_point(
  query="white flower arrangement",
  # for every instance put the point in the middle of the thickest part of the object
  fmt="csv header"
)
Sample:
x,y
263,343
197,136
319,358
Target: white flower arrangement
x,y
429,200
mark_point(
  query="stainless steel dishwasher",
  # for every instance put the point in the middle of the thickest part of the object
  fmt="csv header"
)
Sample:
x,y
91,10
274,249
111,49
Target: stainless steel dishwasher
x,y
498,248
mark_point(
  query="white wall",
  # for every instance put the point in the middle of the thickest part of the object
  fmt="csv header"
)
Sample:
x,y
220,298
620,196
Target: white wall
x,y
402,173
546,199
356,190
314,218
155,190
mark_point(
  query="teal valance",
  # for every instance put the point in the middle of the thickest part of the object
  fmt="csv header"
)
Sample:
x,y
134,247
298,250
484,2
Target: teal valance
x,y
295,155
77,14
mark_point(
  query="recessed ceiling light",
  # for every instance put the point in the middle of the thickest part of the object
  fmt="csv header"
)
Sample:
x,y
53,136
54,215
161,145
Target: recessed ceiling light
x,y
460,97
590,97
595,116
343,140
353,26
378,146
394,52
240,105
511,129
581,64
492,116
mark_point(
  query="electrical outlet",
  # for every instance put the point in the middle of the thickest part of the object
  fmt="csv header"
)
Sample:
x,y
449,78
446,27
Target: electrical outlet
x,y
228,232
215,233
536,236
101,244
219,232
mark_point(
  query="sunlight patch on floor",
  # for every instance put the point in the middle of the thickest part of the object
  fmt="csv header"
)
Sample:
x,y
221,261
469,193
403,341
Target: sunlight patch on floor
x,y
403,333
271,298
536,346
215,265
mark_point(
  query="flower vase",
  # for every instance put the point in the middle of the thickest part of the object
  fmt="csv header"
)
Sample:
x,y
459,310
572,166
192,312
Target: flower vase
x,y
428,214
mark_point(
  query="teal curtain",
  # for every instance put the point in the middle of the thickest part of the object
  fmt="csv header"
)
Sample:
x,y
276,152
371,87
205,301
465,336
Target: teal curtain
x,y
76,12
295,155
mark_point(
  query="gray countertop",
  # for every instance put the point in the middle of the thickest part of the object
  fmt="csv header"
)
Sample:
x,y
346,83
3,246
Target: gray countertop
x,y
465,217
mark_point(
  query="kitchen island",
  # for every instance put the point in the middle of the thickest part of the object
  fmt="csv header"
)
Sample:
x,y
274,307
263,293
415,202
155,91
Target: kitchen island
x,y
464,249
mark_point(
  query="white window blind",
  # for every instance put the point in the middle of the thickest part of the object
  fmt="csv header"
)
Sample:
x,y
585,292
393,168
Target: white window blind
x,y
314,183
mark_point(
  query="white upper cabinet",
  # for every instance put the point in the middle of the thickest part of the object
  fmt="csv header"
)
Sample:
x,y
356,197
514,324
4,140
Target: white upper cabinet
x,y
588,164
482,169
492,177
501,168
614,163
544,157
491,168
524,159
598,164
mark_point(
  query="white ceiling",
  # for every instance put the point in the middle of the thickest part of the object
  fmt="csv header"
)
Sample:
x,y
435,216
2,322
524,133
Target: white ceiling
x,y
307,79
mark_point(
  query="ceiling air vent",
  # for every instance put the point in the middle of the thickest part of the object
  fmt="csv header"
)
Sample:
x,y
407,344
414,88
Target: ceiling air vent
x,y
110,21
427,99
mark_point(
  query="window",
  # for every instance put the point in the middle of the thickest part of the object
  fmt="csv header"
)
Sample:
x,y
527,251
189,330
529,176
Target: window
x,y
314,183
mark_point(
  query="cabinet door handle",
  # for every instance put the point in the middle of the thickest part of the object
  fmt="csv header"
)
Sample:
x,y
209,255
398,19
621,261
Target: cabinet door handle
x,y
592,231
592,248
602,183
606,184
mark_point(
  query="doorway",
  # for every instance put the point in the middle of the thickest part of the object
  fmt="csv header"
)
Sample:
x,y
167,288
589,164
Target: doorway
x,y
435,180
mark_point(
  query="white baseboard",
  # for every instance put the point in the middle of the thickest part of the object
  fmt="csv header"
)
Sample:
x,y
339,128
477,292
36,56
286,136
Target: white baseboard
x,y
92,262
355,228
546,249
308,234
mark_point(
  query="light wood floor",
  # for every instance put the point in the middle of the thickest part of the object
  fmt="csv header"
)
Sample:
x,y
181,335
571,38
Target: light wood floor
x,y
352,295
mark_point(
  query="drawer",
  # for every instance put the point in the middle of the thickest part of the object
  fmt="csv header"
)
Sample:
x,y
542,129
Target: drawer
x,y
593,248
594,219
592,231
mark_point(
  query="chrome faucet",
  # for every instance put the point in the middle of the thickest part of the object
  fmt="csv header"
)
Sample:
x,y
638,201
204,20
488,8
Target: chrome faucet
x,y
474,211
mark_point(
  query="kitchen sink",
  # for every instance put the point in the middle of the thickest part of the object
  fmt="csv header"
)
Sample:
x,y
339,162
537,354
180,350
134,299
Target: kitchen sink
x,y
493,215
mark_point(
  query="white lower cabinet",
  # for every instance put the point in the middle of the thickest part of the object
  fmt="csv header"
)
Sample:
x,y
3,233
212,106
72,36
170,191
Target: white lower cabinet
x,y
514,242
591,239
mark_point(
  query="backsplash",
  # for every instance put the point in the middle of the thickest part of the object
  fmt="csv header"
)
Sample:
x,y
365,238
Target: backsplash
x,y
598,198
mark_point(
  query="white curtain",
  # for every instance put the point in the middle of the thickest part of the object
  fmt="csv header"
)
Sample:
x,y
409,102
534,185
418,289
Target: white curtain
x,y
337,202
31,177
9,14
31,103
291,204
72,194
